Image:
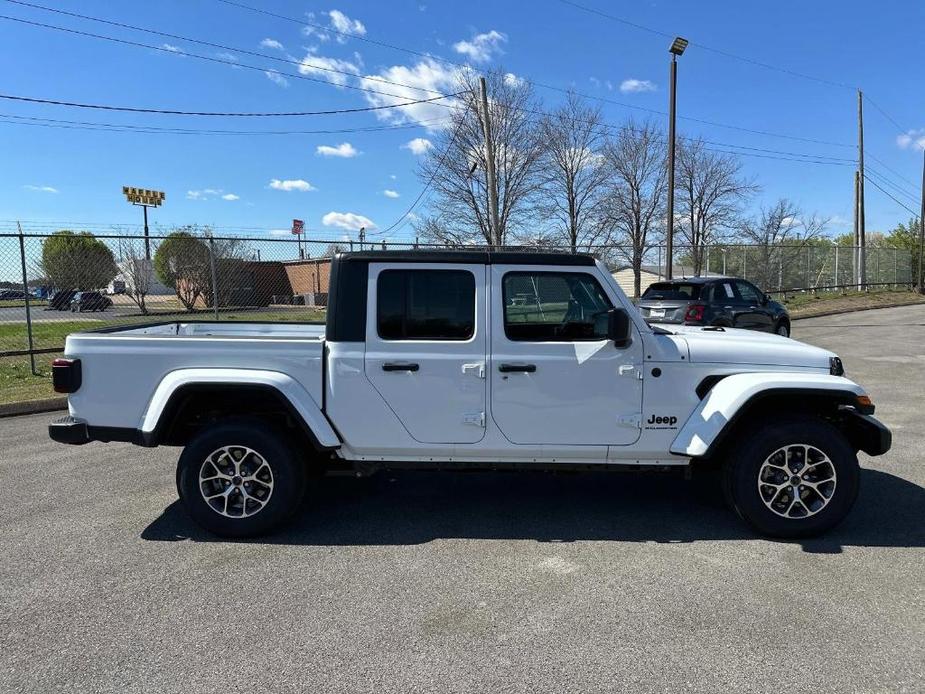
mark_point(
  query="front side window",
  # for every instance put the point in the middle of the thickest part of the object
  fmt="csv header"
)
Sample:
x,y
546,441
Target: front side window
x,y
748,293
554,306
425,305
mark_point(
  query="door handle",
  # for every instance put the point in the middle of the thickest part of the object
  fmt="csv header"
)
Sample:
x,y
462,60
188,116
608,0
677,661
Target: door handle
x,y
400,367
512,368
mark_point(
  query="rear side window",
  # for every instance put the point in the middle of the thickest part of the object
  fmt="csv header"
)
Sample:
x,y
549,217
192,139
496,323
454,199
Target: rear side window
x,y
671,290
425,305
554,306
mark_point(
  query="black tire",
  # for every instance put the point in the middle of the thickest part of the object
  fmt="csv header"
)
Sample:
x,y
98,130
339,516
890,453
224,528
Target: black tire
x,y
782,329
287,469
748,454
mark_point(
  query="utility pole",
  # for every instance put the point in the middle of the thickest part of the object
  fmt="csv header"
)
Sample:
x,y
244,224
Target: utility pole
x,y
862,236
495,230
922,228
677,48
855,252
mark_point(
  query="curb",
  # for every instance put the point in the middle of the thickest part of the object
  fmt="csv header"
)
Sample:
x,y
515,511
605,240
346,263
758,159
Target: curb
x,y
15,409
839,311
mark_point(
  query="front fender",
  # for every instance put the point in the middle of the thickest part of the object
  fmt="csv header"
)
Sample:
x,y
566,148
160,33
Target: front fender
x,y
297,396
712,419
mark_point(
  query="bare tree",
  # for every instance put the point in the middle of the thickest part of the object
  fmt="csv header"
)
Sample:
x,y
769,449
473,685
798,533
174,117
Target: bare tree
x,y
573,172
136,271
636,203
779,233
456,166
710,190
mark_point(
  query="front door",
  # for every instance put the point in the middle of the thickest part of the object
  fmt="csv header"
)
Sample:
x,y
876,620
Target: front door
x,y
425,347
556,379
753,312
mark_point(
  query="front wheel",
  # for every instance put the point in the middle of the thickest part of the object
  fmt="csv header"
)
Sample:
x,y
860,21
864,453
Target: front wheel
x,y
795,478
783,329
240,478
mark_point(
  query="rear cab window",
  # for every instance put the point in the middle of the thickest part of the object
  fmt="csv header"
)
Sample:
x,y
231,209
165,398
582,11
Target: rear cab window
x,y
672,290
425,305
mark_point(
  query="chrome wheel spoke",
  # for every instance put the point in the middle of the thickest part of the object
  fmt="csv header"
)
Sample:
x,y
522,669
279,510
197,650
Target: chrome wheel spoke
x,y
236,481
796,481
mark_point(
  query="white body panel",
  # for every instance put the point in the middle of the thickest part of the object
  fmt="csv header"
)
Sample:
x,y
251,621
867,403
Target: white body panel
x,y
585,402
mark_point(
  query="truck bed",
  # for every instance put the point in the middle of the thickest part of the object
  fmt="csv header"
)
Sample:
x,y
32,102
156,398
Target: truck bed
x,y
125,364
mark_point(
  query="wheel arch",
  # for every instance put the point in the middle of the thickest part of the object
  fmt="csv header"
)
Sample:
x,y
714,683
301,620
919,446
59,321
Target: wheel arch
x,y
740,400
186,400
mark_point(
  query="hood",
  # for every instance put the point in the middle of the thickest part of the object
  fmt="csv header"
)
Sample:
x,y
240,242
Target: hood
x,y
733,346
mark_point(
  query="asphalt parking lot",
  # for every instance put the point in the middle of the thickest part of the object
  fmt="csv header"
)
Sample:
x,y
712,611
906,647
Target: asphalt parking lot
x,y
468,582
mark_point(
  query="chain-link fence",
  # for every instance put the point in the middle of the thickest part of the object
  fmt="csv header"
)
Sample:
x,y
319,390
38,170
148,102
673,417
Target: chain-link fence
x,y
55,284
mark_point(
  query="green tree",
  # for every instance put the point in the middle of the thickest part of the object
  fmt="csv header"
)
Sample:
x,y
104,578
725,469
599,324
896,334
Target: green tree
x,y
905,237
182,262
77,261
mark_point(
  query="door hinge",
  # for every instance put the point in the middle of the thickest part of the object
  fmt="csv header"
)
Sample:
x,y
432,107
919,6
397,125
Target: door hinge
x,y
477,369
630,420
476,418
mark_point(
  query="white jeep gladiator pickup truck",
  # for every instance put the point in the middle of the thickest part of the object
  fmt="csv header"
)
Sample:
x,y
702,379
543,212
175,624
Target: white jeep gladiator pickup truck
x,y
472,359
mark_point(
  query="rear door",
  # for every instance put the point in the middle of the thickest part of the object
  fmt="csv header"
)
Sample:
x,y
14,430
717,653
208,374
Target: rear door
x,y
556,379
426,347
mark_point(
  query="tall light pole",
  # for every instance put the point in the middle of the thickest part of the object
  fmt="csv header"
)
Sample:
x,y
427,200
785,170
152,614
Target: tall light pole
x,y
922,228
495,231
677,48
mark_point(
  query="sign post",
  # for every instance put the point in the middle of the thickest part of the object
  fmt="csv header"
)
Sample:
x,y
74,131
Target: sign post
x,y
145,198
298,228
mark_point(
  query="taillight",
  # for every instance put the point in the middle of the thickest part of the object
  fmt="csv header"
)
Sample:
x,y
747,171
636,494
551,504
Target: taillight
x,y
65,375
694,313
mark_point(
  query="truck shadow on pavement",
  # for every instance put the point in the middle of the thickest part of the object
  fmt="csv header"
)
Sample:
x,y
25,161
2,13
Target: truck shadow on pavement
x,y
406,508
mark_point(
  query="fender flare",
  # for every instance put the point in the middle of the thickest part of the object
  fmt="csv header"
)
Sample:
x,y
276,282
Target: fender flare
x,y
716,415
299,401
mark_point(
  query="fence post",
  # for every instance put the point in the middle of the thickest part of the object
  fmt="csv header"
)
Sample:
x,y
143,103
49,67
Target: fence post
x,y
660,262
836,267
745,262
25,288
214,281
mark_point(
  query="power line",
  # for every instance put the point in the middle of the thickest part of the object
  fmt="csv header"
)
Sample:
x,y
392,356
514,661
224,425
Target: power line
x,y
867,153
131,109
150,129
289,60
718,51
891,184
211,59
890,196
885,114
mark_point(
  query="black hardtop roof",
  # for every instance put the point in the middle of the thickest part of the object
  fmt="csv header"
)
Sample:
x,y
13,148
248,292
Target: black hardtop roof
x,y
478,257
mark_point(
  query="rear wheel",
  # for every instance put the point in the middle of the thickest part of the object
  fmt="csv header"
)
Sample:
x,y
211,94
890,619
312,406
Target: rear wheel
x,y
240,478
795,478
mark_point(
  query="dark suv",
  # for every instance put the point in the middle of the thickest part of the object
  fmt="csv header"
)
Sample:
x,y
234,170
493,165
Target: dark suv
x,y
724,301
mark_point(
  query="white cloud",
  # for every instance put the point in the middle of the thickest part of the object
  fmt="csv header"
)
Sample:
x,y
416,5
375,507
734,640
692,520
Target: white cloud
x,y
172,48
207,193
425,79
632,86
276,78
390,194
393,176
230,57
230,197
343,23
41,189
289,185
418,145
344,149
347,220
482,47
912,138
272,43
280,232
313,64
337,22
512,80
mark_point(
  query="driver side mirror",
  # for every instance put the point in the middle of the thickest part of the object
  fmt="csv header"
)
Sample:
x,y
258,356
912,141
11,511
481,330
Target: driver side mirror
x,y
765,299
619,328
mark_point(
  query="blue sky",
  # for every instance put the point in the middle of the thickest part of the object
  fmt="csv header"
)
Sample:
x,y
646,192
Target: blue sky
x,y
338,181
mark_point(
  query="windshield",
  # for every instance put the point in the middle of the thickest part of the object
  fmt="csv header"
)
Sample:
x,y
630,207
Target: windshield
x,y
672,290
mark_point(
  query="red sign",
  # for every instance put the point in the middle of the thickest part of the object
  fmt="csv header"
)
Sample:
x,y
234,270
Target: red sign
x,y
298,226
